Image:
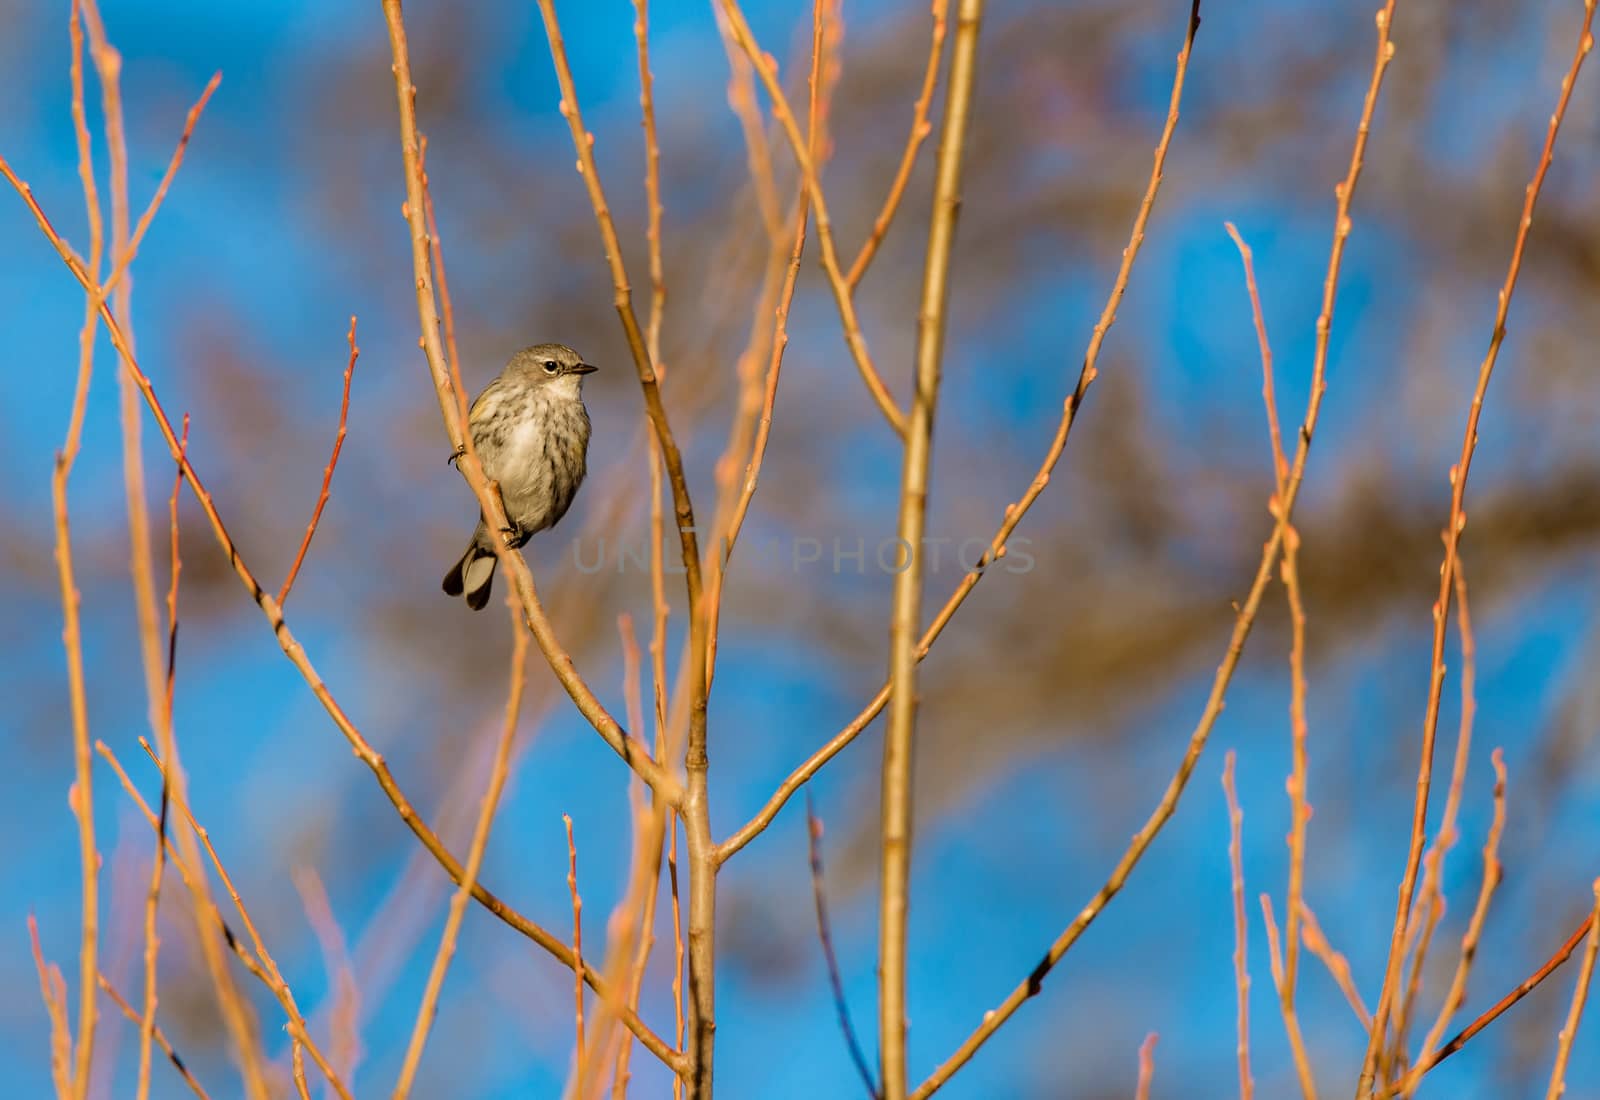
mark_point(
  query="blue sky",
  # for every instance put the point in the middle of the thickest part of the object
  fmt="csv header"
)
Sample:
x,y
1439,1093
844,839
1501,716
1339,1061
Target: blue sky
x,y
1001,870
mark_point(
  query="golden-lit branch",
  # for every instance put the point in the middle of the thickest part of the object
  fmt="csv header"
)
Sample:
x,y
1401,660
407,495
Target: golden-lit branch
x,y
1429,910
730,528
212,925
695,802
446,308
161,1040
296,653
630,928
583,142
1474,933
1147,1067
1299,808
905,615
1337,965
652,187
920,129
577,951
299,1033
1499,1008
152,943
82,794
498,772
1243,621
1013,512
53,990
1269,396
116,290
1286,975
1580,994
1452,538
345,1040
767,69
327,473
758,156
1241,952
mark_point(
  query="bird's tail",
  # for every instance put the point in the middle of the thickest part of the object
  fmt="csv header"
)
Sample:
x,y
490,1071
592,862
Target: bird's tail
x,y
474,573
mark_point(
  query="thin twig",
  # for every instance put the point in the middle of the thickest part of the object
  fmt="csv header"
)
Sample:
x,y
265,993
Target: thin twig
x,y
652,186
679,953
1526,986
1429,909
108,66
152,941
55,1008
209,919
82,794
825,936
1147,1067
1452,539
1474,933
1280,462
1337,965
120,267
758,348
446,308
632,923
429,1005
212,915
660,609
1580,994
1274,941
920,129
343,1028
206,911
1241,963
208,914
1299,808
734,523
161,1040
758,156
577,951
299,1033
767,68
327,473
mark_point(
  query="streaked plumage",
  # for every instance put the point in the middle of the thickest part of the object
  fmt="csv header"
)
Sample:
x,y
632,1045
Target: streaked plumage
x,y
531,432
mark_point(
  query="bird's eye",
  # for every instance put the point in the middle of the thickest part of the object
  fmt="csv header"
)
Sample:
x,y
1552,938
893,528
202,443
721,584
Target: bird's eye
x,y
549,366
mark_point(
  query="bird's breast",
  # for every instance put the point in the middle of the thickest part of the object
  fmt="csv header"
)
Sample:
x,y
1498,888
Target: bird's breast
x,y
539,458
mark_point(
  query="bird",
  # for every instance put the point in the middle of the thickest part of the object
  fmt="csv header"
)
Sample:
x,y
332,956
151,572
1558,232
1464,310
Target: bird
x,y
531,432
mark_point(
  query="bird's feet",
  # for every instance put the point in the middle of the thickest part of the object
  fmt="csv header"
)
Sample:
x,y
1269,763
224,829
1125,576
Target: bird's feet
x,y
455,456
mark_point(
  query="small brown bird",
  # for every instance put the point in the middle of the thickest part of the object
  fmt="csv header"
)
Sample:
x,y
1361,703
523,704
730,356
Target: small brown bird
x,y
531,432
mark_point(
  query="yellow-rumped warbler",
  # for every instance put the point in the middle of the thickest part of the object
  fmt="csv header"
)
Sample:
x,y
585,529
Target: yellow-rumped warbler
x,y
531,432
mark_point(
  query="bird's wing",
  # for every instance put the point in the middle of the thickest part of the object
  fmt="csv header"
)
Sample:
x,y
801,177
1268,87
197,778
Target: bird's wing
x,y
487,392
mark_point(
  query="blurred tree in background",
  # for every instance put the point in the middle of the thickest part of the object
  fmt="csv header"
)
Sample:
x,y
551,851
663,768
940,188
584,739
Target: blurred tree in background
x,y
1053,710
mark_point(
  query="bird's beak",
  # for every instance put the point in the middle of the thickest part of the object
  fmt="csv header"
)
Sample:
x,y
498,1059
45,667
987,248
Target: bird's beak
x,y
584,368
